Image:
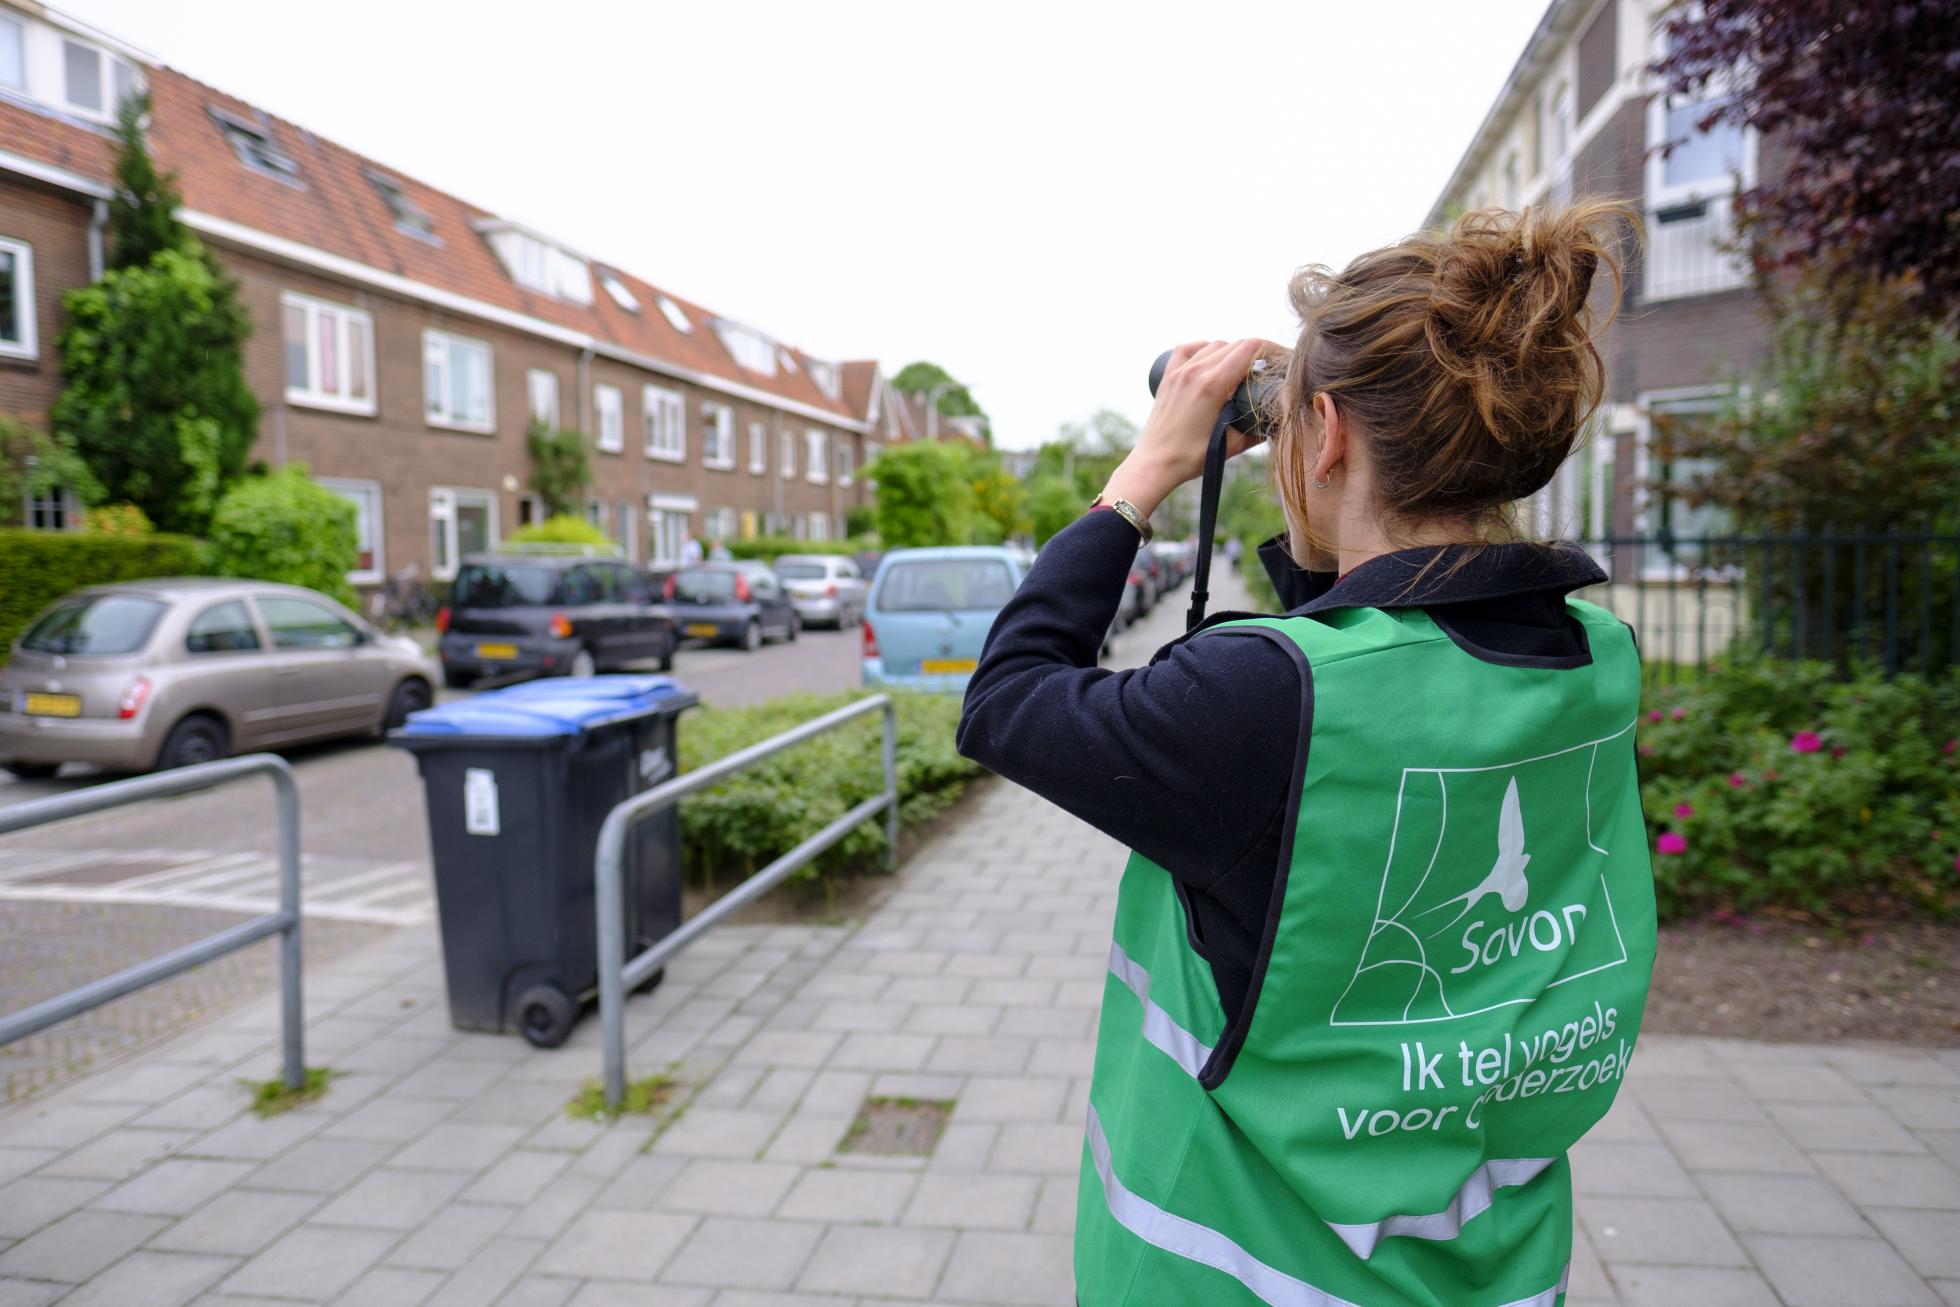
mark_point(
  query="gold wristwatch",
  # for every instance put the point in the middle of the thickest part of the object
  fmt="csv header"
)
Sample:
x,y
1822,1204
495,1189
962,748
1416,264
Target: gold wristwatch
x,y
1124,509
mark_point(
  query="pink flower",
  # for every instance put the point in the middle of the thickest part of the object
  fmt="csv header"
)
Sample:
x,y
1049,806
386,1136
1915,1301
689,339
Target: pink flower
x,y
1671,843
1683,811
1838,751
1950,746
1655,715
1805,742
1646,750
1680,714
1737,780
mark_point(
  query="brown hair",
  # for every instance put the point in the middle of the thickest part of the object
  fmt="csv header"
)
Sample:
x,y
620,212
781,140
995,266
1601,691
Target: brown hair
x,y
1467,359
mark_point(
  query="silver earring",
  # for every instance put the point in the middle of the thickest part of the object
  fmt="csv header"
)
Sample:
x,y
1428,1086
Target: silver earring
x,y
1321,485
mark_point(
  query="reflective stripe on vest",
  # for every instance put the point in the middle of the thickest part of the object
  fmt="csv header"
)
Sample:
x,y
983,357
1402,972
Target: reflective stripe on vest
x,y
1183,1047
1184,1238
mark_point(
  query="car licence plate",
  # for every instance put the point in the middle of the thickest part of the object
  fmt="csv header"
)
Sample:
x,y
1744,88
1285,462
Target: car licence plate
x,y
703,628
498,652
946,666
52,705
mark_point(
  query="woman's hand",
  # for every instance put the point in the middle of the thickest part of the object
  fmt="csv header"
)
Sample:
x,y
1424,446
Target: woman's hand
x,y
1197,383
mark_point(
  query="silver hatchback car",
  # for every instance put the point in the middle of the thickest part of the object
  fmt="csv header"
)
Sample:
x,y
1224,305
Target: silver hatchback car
x,y
165,673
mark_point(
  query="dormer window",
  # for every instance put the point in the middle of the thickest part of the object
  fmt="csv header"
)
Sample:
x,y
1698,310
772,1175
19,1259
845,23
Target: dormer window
x,y
13,53
825,375
94,82
621,294
674,316
407,215
537,264
256,148
789,362
750,349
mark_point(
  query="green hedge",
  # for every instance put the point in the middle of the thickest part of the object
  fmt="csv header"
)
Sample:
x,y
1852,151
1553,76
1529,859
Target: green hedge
x,y
1776,785
751,819
39,567
770,548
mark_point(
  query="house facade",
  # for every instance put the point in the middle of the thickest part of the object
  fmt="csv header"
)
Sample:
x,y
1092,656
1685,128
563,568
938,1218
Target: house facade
x,y
1580,116
405,340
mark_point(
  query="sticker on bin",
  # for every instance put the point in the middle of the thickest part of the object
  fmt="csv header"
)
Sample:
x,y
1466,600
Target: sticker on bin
x,y
654,764
480,816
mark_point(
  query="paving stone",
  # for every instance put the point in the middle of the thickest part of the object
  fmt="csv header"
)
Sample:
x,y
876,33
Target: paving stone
x,y
392,1200
1720,1146
886,1262
1692,1286
311,1262
1930,1241
258,1139
1920,1107
1055,1209
1011,1098
78,1245
19,1161
973,1202
391,1286
1053,1149
862,1052
1851,1128
1643,1170
964,1147
951,1019
809,1137
203,1107
1783,1204
320,1166
545,1216
616,1245
1807,1271
598,1293
1893,1065
980,1056
1036,1269
518,1177
719,1132
1888,1179
844,1194
728,1251
538,1291
152,1279
238,1223
1676,1231
27,1205
119,1154
729,1188
501,1267
451,1237
390,1118
60,1125
453,1146
802,1048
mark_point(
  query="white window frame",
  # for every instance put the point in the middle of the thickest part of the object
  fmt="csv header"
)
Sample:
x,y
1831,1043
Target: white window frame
x,y
720,525
667,528
1646,517
446,341
1713,195
759,448
717,436
841,451
663,420
818,526
816,456
54,499
609,419
786,454
354,489
28,345
20,45
311,395
106,64
442,511
541,396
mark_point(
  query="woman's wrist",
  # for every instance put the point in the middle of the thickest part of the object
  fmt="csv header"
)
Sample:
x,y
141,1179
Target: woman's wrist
x,y
1141,481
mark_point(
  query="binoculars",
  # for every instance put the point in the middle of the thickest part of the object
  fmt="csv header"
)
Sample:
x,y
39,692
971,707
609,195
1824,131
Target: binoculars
x,y
1254,408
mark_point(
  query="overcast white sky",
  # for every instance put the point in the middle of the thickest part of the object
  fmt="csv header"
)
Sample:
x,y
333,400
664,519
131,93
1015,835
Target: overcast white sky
x,y
1037,196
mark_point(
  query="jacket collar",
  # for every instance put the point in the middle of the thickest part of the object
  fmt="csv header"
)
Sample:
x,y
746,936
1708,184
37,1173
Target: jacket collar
x,y
1433,575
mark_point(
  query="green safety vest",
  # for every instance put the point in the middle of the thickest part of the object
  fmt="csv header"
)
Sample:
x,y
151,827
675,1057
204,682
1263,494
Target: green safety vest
x,y
1445,1000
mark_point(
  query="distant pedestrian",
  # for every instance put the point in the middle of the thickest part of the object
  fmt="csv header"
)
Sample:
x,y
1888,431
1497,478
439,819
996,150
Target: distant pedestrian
x,y
1383,945
1233,548
718,552
690,552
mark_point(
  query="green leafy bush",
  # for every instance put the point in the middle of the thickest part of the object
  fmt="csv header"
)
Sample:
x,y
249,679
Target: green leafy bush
x,y
286,527
560,471
1778,785
119,520
560,530
751,819
39,567
769,548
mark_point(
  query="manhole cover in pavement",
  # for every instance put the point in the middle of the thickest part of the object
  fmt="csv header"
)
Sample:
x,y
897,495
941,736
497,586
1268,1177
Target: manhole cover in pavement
x,y
898,1127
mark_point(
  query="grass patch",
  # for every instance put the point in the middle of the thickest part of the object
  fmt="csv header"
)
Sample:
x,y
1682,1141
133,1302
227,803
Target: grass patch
x,y
271,1097
644,1097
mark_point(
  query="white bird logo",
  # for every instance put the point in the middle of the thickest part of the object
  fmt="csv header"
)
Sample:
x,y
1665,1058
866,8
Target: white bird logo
x,y
1506,878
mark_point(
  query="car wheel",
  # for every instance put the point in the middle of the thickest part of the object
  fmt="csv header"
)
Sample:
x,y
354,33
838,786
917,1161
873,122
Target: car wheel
x,y
795,627
582,664
457,680
411,696
667,654
33,771
194,740
752,635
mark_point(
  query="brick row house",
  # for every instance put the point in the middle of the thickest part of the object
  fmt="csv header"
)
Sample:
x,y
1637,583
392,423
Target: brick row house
x,y
405,340
1581,116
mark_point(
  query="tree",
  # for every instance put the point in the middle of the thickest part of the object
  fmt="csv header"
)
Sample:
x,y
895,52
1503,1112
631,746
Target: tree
x,y
34,463
1053,502
999,500
955,400
560,471
1863,96
286,527
143,211
925,496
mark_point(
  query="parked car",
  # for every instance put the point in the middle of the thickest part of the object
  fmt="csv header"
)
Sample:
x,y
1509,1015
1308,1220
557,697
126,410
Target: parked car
x,y
550,615
1132,609
170,672
930,611
827,589
732,603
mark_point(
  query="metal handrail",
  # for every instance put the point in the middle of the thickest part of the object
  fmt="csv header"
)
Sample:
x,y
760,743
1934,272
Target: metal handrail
x,y
617,975
284,923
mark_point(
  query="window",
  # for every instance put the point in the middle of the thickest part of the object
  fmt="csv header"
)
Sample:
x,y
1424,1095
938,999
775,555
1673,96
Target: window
x,y
945,584
616,288
748,347
366,498
786,454
408,216
460,522
628,533
1534,137
536,264
595,514
718,525
825,375
329,355
13,53
94,82
667,529
255,148
665,415
844,468
672,312
819,526
295,623
1691,177
1513,182
541,386
104,624
17,337
1676,483
717,436
456,378
758,448
609,408
871,451
816,464
222,628
789,362
55,508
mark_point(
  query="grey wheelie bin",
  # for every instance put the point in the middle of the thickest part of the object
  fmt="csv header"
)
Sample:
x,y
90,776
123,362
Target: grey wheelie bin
x,y
518,782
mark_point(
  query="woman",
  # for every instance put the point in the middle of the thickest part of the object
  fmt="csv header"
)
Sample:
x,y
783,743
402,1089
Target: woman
x,y
1382,949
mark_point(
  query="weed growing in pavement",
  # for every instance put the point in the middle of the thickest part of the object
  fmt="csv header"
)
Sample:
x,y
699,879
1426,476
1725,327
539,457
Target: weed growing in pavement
x,y
271,1097
644,1097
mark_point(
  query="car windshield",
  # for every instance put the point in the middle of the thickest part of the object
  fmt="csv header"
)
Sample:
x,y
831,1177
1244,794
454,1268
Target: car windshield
x,y
704,586
800,571
497,585
936,584
95,624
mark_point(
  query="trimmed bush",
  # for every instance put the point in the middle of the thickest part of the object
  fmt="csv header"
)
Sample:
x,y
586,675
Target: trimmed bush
x,y
39,567
751,819
1776,785
286,527
769,548
563,529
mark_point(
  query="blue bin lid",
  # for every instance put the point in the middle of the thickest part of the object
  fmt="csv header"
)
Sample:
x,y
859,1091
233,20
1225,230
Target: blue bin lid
x,y
539,709
611,688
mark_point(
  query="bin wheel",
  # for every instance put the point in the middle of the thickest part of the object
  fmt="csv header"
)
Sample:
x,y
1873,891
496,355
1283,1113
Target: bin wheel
x,y
652,982
545,1015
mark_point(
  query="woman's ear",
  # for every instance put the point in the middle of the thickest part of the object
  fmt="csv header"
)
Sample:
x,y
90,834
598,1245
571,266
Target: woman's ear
x,y
1333,437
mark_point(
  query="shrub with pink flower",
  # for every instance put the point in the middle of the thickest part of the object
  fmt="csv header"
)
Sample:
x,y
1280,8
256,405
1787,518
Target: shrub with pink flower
x,y
1683,811
1806,742
1737,780
1655,715
1671,843
1680,714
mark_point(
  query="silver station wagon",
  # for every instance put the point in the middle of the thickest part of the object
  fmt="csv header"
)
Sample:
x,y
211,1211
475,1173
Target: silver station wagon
x,y
166,673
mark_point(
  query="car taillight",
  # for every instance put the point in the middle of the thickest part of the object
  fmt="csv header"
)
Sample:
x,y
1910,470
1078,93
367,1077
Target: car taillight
x,y
667,588
442,620
870,641
561,626
830,591
134,698
741,589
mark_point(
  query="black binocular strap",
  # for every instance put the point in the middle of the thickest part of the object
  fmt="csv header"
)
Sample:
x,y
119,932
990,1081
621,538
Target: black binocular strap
x,y
1208,490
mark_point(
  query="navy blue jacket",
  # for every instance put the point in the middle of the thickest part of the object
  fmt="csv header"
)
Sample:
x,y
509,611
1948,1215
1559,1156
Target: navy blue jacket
x,y
1190,760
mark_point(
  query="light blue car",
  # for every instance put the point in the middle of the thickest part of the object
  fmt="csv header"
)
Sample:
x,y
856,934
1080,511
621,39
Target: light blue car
x,y
929,613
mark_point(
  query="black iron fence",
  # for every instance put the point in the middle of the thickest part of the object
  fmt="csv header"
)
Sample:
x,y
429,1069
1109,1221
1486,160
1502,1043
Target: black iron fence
x,y
1884,598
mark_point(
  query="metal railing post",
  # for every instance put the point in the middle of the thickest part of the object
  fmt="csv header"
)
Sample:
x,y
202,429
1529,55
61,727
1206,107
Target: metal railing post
x,y
891,786
292,1005
611,924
